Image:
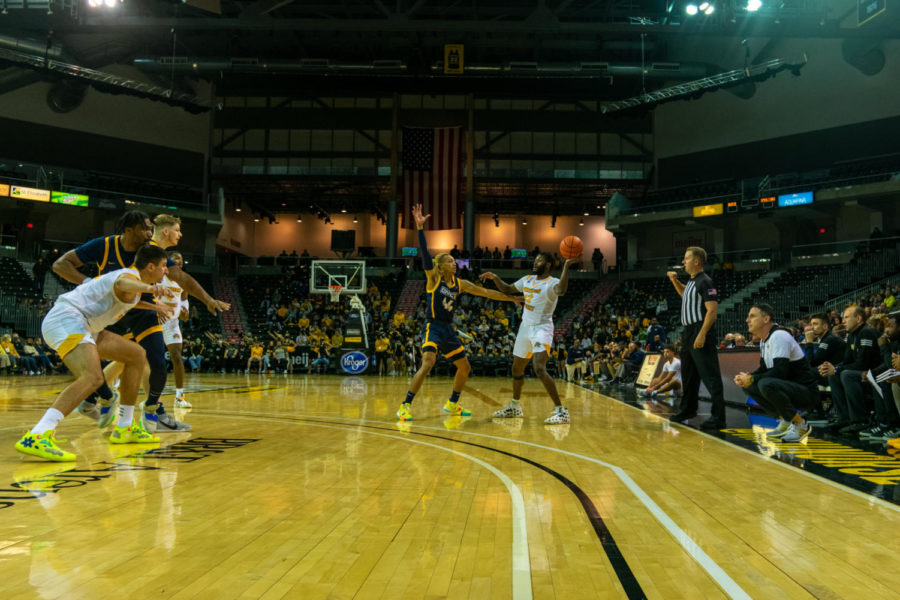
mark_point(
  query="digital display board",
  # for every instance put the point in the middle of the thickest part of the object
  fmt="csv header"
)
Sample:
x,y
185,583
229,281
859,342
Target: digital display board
x,y
27,193
519,253
4,189
70,199
795,199
709,210
409,251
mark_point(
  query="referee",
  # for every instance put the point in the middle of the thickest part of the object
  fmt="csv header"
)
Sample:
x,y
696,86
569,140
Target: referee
x,y
699,360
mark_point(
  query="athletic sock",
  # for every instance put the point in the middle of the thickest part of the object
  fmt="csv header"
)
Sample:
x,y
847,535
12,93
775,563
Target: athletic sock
x,y
104,392
126,415
454,397
515,402
49,421
409,397
179,392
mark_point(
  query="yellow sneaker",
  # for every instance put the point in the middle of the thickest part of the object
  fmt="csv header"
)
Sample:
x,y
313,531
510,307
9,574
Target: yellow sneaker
x,y
135,434
403,413
894,443
456,410
43,446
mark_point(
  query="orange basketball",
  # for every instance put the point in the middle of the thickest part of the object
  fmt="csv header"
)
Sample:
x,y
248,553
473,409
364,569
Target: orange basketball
x,y
571,247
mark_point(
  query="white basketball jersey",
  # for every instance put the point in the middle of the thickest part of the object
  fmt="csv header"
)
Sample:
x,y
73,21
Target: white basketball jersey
x,y
675,367
175,301
540,299
97,301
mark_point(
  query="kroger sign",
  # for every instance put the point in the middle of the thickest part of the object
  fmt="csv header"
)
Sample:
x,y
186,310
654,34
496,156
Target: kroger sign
x,y
354,362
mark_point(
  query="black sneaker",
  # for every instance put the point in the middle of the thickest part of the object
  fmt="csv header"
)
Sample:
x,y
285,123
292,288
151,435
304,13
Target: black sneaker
x,y
682,416
871,432
852,429
713,423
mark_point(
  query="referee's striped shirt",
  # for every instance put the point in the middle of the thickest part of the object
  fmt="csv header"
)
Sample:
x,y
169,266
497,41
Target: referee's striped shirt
x,y
698,290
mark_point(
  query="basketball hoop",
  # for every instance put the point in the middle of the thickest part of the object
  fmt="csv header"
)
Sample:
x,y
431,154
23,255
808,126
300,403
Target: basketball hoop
x,y
335,291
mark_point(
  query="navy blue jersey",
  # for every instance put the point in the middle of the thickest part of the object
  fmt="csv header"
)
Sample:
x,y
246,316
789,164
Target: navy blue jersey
x,y
107,252
147,296
440,301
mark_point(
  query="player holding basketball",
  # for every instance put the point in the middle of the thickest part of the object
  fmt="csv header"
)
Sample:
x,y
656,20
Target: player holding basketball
x,y
535,331
442,290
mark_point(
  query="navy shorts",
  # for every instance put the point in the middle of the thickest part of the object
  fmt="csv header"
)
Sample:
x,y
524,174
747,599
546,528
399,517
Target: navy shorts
x,y
441,337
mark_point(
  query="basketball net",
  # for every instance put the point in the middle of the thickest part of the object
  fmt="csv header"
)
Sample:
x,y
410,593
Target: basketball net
x,y
335,291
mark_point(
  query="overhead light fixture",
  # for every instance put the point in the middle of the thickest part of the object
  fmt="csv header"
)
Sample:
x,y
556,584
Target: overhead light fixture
x,y
299,218
709,10
754,5
581,222
524,220
237,209
586,212
704,5
343,209
691,9
355,220
256,219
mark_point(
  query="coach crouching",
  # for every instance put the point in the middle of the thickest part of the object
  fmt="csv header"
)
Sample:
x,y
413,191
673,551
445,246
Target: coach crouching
x,y
783,384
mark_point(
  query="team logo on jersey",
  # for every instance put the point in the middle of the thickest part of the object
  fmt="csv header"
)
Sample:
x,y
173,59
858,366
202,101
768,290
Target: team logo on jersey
x,y
354,362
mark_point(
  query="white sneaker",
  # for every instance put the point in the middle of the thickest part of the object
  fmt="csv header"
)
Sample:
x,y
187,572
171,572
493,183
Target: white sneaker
x,y
180,402
780,431
89,410
511,411
797,433
560,415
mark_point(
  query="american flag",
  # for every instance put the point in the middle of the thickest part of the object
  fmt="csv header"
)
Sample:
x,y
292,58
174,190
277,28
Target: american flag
x,y
432,175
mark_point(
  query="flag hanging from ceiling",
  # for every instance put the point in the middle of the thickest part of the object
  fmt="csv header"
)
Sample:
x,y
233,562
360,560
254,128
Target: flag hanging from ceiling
x,y
432,175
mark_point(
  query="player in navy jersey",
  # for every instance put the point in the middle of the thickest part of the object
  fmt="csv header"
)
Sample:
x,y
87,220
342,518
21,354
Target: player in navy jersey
x,y
442,290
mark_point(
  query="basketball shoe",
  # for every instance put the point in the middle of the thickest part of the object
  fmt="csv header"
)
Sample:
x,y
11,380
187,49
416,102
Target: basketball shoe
x,y
780,431
403,413
108,411
512,410
456,410
559,416
180,402
89,410
133,434
43,445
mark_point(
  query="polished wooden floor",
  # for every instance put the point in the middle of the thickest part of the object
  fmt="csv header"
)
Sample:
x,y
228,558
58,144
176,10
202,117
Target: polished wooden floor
x,y
296,487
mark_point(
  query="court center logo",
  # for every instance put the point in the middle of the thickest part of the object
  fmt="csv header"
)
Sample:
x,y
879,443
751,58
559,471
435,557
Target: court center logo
x,y
354,362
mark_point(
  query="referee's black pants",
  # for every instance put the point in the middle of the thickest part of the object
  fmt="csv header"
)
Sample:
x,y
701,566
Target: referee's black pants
x,y
701,364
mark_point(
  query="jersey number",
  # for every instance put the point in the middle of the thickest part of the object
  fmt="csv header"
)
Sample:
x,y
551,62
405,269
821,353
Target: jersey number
x,y
448,304
528,297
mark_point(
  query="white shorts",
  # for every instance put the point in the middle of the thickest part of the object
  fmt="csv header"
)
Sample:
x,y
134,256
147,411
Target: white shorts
x,y
533,338
172,332
64,328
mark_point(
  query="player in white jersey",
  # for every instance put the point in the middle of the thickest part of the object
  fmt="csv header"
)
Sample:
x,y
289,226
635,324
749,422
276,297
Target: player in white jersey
x,y
670,378
171,329
535,335
76,328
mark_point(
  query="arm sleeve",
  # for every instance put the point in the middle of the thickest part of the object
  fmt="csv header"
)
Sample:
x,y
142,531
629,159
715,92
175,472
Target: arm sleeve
x,y
423,249
90,252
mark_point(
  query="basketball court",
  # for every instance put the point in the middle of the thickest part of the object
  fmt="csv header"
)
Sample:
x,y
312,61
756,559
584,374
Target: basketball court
x,y
296,486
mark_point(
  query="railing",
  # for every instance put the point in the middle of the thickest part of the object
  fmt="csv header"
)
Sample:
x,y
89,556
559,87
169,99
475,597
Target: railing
x,y
412,263
763,257
846,299
849,246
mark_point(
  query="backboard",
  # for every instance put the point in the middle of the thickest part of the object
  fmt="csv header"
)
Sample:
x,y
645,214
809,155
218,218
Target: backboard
x,y
348,273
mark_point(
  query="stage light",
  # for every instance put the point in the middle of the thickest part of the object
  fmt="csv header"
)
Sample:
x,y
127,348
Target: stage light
x,y
754,5
691,9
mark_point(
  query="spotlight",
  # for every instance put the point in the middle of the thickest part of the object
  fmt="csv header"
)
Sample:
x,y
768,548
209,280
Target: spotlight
x,y
691,9
754,5
299,218
581,222
524,220
355,220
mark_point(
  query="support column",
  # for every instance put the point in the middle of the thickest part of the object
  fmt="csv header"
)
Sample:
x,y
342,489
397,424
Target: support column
x,y
390,239
469,222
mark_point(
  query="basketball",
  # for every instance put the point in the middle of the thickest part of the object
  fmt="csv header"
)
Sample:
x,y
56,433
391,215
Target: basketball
x,y
571,247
